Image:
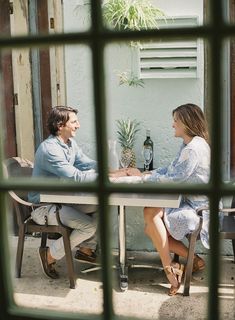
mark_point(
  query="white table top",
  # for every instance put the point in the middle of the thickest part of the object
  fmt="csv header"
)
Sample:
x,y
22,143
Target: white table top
x,y
117,199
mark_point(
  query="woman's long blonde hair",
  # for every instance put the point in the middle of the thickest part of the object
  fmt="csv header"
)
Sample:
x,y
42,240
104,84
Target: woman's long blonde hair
x,y
193,120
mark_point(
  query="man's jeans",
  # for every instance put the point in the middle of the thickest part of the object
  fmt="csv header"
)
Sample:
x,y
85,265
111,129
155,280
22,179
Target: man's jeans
x,y
76,217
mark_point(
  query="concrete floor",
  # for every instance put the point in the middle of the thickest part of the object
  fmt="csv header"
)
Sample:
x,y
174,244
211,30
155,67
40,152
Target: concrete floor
x,y
146,297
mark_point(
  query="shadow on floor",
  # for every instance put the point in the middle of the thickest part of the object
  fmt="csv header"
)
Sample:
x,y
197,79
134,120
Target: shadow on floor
x,y
146,297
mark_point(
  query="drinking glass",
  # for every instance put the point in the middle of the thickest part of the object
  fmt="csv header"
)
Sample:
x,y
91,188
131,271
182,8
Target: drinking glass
x,y
147,155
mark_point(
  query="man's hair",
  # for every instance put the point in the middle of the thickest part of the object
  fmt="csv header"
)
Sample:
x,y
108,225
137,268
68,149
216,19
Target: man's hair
x,y
58,117
193,120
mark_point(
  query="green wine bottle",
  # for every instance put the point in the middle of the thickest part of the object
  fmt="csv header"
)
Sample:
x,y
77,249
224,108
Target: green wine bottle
x,y
148,144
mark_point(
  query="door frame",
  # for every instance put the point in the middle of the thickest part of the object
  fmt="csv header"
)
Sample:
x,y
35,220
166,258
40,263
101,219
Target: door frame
x,y
8,106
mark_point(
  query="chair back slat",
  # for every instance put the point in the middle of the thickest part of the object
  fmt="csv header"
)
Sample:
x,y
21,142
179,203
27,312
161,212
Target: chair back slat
x,y
18,167
14,168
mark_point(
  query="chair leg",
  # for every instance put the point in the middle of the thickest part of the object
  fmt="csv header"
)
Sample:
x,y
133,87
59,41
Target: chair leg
x,y
43,240
189,265
233,242
20,249
69,258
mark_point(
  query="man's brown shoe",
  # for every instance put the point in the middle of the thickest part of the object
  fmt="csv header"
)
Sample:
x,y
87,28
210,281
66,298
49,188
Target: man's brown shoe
x,y
83,257
48,269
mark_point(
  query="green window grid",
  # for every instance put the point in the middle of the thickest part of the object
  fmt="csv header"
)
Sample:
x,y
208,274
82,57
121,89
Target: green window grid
x,y
215,32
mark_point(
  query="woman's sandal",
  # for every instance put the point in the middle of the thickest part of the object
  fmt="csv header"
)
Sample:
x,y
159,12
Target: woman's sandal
x,y
174,274
198,263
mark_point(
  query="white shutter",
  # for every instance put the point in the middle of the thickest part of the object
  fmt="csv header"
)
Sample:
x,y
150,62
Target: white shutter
x,y
170,59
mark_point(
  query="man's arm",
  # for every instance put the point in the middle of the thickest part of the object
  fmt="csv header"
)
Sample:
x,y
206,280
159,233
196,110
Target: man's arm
x,y
54,161
83,162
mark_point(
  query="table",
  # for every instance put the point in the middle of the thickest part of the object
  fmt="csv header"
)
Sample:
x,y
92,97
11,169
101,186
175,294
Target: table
x,y
121,200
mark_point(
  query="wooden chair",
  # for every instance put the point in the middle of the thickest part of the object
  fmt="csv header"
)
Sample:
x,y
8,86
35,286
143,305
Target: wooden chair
x,y
227,231
228,227
192,238
18,167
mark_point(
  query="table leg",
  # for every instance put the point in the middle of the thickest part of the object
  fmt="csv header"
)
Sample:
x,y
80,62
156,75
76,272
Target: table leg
x,y
122,248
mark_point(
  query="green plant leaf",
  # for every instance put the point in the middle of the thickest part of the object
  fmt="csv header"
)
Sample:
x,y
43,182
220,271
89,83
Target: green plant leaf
x,y
131,14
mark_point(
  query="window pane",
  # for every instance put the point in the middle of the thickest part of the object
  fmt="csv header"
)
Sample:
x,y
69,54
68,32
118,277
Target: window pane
x,y
139,15
45,17
141,268
56,294
143,83
170,81
227,110
228,107
38,80
34,81
226,282
76,15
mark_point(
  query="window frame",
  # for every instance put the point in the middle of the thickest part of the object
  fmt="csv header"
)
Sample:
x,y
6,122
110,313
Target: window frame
x,y
97,38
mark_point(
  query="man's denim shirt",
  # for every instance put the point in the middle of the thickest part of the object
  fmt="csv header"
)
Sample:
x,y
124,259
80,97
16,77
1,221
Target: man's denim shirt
x,y
56,159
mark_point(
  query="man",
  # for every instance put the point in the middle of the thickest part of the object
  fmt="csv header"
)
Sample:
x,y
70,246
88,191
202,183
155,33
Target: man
x,y
60,157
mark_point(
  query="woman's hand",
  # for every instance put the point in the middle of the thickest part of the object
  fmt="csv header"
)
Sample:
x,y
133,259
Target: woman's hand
x,y
133,172
118,173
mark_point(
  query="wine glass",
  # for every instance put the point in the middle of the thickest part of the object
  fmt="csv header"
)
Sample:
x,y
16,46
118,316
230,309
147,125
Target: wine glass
x,y
125,158
147,155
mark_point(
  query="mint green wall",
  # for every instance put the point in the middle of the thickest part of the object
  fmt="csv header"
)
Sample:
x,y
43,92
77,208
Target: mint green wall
x,y
152,105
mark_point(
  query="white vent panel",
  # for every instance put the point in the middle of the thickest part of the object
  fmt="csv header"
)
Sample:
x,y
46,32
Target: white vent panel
x,y
170,59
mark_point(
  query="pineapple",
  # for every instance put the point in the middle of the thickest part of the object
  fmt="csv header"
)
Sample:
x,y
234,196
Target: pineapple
x,y
127,130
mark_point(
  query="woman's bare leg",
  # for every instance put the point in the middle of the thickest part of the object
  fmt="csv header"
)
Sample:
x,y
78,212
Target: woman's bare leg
x,y
153,216
156,230
177,247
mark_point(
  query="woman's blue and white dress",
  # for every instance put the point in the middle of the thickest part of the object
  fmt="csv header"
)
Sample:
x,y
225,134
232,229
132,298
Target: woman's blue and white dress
x,y
192,165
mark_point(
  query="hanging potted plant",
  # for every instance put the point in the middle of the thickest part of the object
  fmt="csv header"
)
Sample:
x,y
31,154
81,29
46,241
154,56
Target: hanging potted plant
x,y
131,15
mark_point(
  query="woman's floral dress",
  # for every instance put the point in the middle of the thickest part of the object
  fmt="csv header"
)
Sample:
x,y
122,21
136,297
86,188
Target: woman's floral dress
x,y
192,165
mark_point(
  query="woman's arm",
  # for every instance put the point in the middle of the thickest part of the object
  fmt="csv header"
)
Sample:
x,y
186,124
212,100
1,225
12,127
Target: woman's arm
x,y
179,170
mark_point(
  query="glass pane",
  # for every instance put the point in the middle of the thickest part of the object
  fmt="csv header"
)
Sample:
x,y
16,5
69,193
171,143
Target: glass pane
x,y
148,81
135,90
79,92
227,110
131,15
32,82
228,11
137,15
8,141
226,282
45,17
228,79
56,293
76,15
141,277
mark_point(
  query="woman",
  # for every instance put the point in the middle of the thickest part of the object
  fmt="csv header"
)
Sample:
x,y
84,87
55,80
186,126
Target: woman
x,y
167,226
